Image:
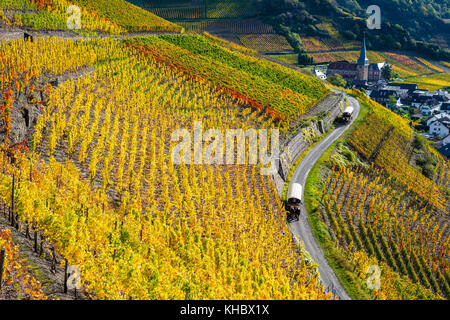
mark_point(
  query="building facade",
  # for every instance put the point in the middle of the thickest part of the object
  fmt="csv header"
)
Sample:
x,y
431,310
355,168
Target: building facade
x,y
361,71
440,128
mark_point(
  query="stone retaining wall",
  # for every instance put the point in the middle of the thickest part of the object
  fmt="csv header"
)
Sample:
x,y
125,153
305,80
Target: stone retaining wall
x,y
333,106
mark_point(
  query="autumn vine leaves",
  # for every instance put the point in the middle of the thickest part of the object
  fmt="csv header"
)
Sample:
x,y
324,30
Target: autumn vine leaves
x,y
111,201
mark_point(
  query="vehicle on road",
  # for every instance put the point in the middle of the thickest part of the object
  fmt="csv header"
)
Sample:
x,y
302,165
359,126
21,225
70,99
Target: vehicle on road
x,y
348,115
294,202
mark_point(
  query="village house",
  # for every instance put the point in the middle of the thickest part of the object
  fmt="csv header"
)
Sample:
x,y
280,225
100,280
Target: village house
x,y
319,74
382,96
440,127
411,87
445,150
438,117
430,108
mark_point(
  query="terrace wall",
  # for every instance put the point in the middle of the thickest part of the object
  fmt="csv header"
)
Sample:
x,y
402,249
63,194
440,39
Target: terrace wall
x,y
333,105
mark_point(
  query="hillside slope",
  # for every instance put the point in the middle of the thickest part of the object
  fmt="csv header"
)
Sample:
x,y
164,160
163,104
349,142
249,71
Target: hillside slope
x,y
115,16
381,197
280,92
100,184
344,21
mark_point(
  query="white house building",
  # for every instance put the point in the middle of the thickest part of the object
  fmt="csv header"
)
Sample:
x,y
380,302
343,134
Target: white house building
x,y
443,116
440,128
319,74
429,109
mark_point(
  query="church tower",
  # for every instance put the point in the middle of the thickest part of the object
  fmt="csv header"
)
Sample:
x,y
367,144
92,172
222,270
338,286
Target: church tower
x,y
362,66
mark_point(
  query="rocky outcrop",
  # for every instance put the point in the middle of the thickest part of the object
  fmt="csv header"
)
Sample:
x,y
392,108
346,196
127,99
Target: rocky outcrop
x,y
27,107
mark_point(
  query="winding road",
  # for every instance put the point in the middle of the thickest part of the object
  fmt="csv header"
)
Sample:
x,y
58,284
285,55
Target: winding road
x,y
301,228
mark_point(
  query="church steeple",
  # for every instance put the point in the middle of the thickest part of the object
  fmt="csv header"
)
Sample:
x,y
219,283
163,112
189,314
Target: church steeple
x,y
363,60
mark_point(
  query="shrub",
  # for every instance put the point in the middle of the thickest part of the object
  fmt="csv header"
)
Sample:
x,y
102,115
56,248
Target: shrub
x,y
350,156
428,171
337,80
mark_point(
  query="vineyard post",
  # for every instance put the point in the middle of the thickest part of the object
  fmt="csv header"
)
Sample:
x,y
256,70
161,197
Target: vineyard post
x,y
12,200
27,231
41,248
2,265
54,261
35,240
65,275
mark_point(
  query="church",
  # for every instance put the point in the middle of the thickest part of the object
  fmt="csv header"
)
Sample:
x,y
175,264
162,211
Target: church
x,y
359,73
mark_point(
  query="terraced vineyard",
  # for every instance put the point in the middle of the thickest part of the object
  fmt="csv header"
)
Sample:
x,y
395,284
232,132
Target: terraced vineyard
x,y
100,184
265,42
225,27
115,16
431,82
385,139
366,213
208,9
17,282
377,206
280,92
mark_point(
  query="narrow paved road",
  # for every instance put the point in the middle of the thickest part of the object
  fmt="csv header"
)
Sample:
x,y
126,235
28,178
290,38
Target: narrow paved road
x,y
301,228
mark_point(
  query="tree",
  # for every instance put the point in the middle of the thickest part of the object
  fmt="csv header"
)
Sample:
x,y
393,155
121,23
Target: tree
x,y
304,59
388,72
392,101
419,142
337,80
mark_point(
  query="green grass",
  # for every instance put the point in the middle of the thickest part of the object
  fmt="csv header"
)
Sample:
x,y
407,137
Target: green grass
x,y
286,58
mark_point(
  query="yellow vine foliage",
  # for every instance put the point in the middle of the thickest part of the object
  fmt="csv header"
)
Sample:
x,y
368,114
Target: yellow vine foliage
x,y
112,201
16,274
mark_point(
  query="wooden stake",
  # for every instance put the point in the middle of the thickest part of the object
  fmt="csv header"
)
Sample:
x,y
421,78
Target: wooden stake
x,y
12,200
35,240
65,276
27,231
2,265
41,249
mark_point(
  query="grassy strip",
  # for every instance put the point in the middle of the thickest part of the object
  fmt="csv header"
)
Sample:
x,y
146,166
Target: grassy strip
x,y
335,256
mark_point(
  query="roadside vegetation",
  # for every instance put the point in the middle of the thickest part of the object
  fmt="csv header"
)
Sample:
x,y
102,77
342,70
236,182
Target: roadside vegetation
x,y
356,207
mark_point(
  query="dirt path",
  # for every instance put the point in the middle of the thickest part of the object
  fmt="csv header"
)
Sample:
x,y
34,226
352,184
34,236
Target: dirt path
x,y
8,34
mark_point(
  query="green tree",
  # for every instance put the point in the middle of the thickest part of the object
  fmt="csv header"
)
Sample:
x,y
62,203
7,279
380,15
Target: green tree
x,y
388,72
337,80
304,59
392,102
